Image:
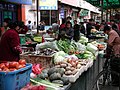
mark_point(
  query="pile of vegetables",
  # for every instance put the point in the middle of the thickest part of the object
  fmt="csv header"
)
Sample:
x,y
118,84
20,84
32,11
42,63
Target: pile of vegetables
x,y
90,47
12,66
67,46
54,75
83,40
86,55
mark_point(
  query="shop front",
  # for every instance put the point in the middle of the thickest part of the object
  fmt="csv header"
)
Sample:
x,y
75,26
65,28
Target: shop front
x,y
13,9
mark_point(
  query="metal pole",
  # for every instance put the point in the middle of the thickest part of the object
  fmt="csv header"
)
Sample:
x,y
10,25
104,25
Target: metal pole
x,y
101,10
37,4
107,13
50,18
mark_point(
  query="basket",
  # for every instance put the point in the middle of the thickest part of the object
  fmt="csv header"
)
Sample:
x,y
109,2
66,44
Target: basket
x,y
45,61
15,80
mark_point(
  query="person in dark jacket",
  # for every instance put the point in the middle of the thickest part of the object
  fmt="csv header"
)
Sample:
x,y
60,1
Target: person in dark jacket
x,y
67,32
82,28
76,31
89,27
10,43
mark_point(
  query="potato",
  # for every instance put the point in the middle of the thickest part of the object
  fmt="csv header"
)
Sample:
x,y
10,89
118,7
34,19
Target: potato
x,y
74,72
78,66
57,66
69,65
72,68
68,72
63,65
68,68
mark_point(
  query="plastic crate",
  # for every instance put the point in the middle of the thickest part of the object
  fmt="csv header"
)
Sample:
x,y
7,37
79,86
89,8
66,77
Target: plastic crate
x,y
15,80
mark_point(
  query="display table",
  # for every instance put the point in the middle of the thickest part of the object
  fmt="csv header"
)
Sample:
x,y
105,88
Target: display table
x,y
85,81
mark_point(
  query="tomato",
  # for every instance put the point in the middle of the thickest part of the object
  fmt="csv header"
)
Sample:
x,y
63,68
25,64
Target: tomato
x,y
19,66
23,65
13,64
6,69
13,69
2,65
22,61
7,64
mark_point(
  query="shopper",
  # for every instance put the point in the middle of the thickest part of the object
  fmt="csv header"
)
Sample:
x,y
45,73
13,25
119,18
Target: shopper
x,y
113,44
67,32
76,31
10,43
55,26
29,25
89,27
34,26
97,26
5,26
63,24
82,28
42,25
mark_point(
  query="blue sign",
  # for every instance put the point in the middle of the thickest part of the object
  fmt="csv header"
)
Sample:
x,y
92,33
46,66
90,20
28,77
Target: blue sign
x,y
20,1
62,14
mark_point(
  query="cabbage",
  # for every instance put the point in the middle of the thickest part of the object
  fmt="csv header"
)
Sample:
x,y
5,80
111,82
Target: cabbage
x,y
59,56
83,40
81,47
58,59
92,48
44,45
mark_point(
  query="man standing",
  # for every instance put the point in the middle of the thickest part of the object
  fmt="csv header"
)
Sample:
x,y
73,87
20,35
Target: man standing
x,y
89,27
76,31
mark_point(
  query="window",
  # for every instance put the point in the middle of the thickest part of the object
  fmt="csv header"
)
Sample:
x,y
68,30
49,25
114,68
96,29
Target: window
x,y
49,19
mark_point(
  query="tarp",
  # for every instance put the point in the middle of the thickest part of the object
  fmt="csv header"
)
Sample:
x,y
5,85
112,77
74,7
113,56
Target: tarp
x,y
71,2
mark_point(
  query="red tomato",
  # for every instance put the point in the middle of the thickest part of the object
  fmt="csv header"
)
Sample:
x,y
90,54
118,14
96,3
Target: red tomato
x,y
19,66
22,61
13,64
23,65
6,69
2,65
7,64
13,69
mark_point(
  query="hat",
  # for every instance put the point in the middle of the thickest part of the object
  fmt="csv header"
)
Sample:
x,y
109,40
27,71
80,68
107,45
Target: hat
x,y
107,28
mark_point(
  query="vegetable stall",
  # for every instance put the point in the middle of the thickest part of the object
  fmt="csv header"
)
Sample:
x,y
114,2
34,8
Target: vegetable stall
x,y
60,65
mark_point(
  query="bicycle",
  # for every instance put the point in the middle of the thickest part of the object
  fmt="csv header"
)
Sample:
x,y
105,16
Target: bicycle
x,y
103,79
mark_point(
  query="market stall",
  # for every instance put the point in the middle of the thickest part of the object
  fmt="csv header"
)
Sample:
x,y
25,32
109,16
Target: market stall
x,y
76,63
61,65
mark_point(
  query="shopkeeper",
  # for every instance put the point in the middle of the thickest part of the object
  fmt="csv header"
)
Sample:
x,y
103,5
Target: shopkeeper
x,y
67,32
10,43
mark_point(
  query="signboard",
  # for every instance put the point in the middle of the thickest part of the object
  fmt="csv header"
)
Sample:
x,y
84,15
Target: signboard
x,y
20,1
62,14
48,4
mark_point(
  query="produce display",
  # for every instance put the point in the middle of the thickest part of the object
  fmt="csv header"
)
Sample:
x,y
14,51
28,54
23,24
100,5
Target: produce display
x,y
12,66
70,60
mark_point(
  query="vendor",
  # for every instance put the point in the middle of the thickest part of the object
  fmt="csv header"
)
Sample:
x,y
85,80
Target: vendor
x,y
10,43
113,44
67,32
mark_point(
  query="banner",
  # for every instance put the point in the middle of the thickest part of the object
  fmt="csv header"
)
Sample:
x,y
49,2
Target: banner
x,y
29,2
48,4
